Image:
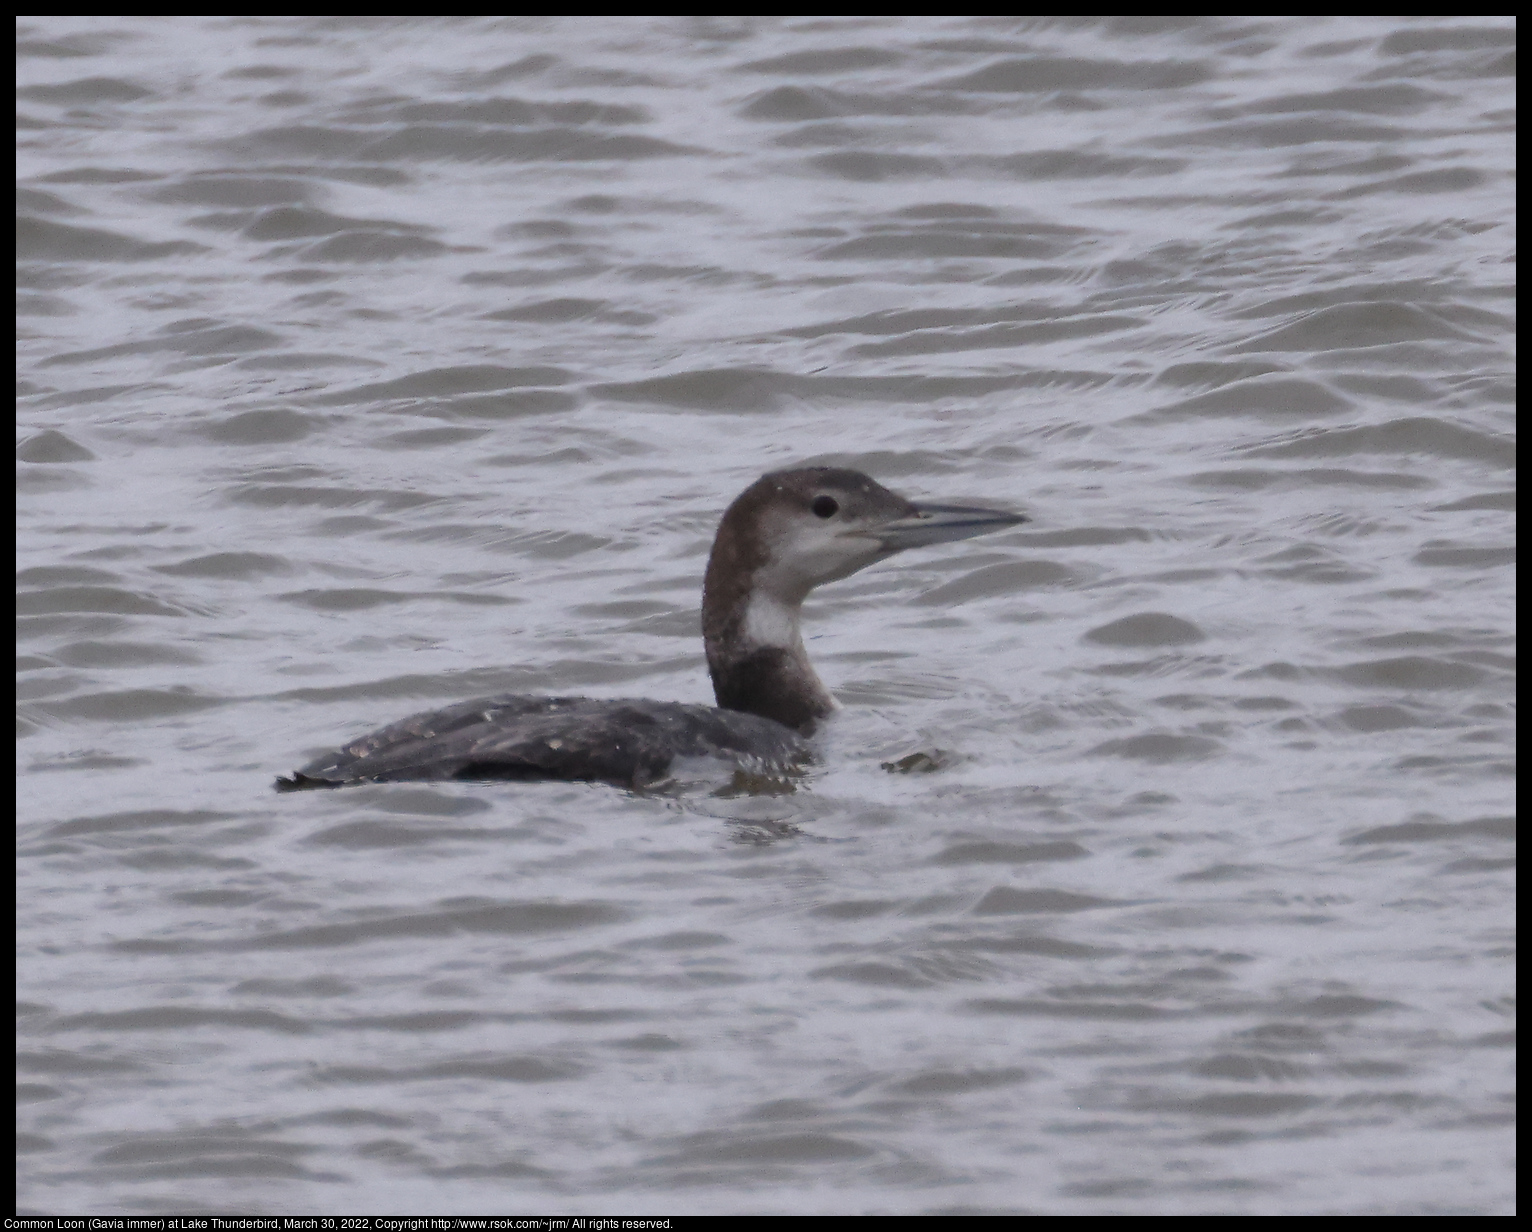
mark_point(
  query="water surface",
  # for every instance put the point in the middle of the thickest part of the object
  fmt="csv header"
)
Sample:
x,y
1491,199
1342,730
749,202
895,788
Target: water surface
x,y
1160,862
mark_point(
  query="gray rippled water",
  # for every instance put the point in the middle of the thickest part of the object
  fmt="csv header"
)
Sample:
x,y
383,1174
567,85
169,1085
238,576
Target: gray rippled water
x,y
1160,862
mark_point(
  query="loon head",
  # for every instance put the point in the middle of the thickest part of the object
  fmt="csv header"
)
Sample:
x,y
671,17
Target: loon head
x,y
785,534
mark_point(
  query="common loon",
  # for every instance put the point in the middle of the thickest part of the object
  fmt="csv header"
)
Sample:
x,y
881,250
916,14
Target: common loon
x,y
785,534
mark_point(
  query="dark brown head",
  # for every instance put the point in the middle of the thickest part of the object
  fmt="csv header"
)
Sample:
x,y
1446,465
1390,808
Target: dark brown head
x,y
785,534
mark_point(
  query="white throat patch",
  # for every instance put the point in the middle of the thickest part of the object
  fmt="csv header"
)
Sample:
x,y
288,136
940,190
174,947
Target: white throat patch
x,y
770,622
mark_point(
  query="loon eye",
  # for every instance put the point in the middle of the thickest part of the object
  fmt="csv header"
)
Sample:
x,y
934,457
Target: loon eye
x,y
825,507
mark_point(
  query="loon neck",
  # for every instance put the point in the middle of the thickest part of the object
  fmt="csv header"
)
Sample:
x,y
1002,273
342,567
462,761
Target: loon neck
x,y
756,658
750,628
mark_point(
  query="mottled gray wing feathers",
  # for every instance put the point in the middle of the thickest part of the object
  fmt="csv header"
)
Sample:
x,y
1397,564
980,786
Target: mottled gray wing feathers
x,y
625,741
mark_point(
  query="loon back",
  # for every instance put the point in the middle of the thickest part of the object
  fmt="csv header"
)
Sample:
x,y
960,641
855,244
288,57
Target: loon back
x,y
628,741
787,533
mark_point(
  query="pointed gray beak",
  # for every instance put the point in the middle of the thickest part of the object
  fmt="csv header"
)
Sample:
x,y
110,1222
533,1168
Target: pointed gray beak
x,y
942,524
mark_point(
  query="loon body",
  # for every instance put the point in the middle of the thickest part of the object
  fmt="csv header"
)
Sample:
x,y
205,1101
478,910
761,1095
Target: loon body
x,y
785,534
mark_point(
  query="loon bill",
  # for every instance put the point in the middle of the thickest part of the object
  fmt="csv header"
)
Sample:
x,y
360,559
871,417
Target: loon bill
x,y
785,534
